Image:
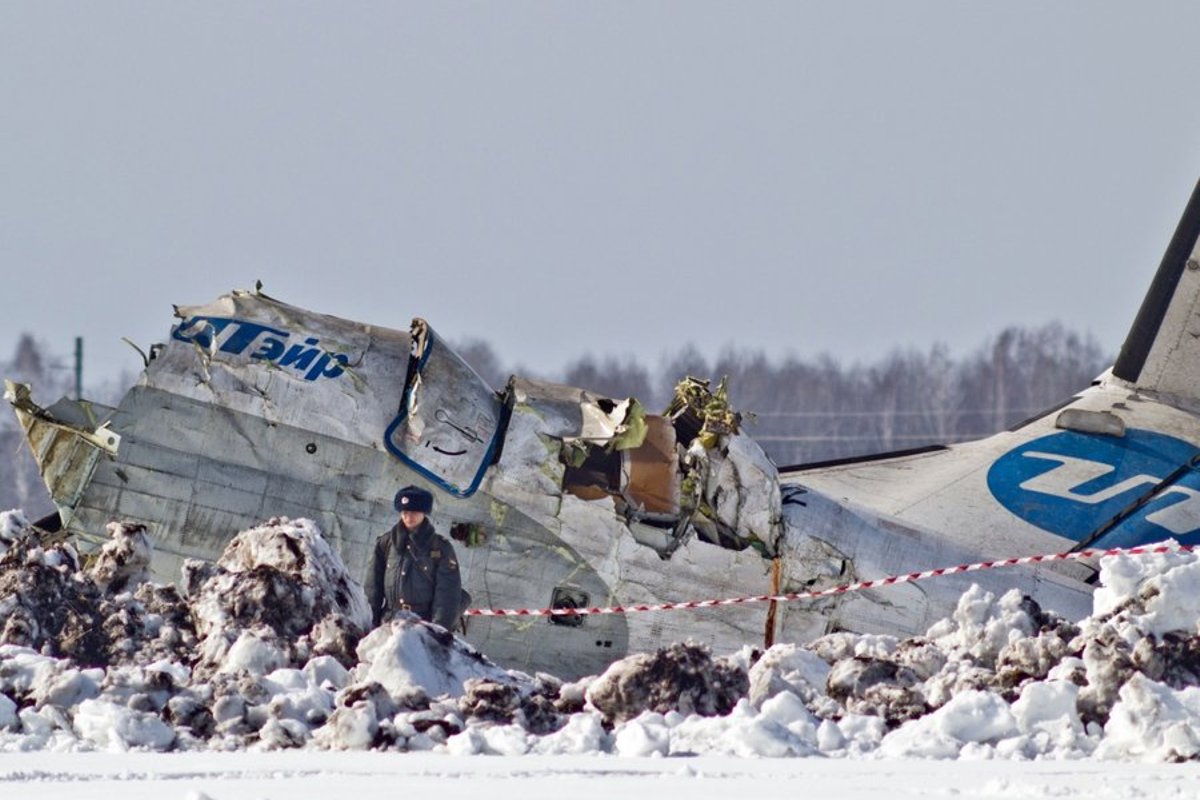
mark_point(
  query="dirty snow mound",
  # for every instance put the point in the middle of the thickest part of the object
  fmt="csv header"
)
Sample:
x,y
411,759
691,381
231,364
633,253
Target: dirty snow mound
x,y
266,650
14,527
682,677
46,603
277,596
124,560
296,547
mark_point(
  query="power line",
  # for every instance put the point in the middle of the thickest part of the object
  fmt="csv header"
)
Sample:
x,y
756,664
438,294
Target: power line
x,y
951,437
904,413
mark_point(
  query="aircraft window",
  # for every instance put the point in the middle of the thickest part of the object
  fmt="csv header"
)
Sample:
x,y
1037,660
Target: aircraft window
x,y
564,597
470,534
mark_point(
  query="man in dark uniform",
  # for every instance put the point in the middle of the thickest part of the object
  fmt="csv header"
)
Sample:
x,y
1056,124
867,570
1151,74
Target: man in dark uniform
x,y
414,569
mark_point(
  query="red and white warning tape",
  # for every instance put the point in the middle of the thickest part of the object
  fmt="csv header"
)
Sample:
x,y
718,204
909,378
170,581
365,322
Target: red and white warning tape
x,y
843,589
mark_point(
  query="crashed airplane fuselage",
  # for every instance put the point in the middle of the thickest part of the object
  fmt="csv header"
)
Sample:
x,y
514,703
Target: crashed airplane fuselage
x,y
557,497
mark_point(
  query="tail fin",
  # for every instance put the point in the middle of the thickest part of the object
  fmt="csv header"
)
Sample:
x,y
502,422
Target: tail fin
x,y
1162,351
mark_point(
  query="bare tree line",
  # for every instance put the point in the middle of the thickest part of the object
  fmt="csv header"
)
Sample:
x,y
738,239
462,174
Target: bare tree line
x,y
805,410
800,410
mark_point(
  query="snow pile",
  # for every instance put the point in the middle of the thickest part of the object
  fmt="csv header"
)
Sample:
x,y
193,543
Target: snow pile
x,y
124,560
268,649
681,677
277,596
14,528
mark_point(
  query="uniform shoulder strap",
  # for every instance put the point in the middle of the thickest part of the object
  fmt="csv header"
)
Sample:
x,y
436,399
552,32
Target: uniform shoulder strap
x,y
436,545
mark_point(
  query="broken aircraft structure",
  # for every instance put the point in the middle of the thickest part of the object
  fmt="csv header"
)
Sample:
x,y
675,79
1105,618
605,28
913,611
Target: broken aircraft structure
x,y
558,497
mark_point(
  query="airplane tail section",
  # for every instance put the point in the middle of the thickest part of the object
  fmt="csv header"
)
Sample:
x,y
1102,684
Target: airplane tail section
x,y
1162,351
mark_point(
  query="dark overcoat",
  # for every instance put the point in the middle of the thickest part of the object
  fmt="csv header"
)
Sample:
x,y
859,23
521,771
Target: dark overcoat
x,y
415,571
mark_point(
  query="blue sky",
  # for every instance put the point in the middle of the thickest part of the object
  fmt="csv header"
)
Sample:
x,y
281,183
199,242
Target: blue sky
x,y
624,178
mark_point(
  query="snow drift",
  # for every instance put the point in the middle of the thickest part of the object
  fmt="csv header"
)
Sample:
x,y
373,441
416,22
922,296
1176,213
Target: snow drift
x,y
268,649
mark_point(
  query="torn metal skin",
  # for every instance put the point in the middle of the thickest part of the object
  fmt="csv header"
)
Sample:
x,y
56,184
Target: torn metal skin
x,y
66,452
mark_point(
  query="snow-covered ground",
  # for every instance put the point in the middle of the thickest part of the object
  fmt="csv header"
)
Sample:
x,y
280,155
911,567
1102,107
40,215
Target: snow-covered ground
x,y
258,678
386,776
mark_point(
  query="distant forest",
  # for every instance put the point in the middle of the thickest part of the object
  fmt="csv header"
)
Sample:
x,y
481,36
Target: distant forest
x,y
805,410
800,410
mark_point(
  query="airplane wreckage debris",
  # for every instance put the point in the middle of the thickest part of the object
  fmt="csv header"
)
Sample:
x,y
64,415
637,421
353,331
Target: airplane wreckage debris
x,y
719,486
557,496
561,498
256,410
690,471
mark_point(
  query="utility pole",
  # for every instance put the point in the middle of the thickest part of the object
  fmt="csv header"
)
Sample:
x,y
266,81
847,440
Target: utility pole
x,y
78,367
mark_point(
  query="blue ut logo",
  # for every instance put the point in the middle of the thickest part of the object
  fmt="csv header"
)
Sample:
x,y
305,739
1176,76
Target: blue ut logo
x,y
240,336
1071,484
